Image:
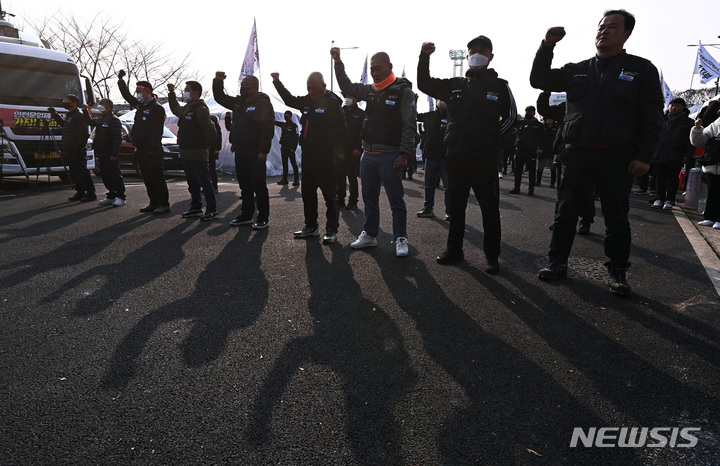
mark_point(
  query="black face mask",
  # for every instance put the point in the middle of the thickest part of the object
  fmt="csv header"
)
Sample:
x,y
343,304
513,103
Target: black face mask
x,y
66,105
244,91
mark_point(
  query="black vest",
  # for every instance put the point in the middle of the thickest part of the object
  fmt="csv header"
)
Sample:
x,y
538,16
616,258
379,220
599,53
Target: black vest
x,y
383,122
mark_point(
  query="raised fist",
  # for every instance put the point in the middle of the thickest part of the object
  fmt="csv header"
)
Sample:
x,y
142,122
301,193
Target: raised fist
x,y
335,53
427,48
220,75
121,74
554,35
171,88
275,76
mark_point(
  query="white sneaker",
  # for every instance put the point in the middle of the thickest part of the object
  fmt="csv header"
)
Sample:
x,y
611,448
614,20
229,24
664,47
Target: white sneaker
x,y
106,201
657,204
500,175
716,225
706,223
401,246
668,205
119,201
364,241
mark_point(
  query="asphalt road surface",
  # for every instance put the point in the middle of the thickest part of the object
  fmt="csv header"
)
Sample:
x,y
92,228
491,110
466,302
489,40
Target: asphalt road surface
x,y
129,338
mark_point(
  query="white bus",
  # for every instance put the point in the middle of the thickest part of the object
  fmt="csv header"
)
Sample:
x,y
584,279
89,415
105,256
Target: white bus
x,y
33,78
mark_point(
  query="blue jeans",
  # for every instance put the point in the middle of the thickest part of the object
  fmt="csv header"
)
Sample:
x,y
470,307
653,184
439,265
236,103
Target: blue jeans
x,y
435,168
377,170
199,182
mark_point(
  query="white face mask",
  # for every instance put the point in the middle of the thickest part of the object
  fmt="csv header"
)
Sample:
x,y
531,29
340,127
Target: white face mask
x,y
139,97
101,109
186,96
348,102
477,61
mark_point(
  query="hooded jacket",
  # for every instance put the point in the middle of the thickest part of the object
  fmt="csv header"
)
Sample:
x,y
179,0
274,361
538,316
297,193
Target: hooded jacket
x,y
675,139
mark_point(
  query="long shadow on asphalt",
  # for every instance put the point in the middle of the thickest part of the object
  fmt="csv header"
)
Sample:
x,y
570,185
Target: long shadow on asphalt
x,y
513,406
220,304
356,340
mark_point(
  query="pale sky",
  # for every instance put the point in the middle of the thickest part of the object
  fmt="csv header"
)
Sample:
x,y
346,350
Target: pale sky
x,y
295,39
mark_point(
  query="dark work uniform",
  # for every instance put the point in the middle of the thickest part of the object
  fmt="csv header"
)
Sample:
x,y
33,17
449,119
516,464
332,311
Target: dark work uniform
x,y
546,158
288,146
251,133
146,136
214,150
347,163
480,109
668,160
614,116
322,134
106,143
529,140
74,140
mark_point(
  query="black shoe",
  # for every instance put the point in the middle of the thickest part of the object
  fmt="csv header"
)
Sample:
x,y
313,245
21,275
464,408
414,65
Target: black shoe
x,y
531,192
296,182
284,181
89,197
209,215
193,213
514,191
149,208
537,183
78,195
617,280
553,272
165,209
493,266
242,220
584,229
449,257
260,225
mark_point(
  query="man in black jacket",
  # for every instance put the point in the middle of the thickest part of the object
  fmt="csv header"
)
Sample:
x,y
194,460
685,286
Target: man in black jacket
x,y
322,133
481,109
146,136
251,138
433,153
675,149
349,156
288,145
106,143
528,147
611,131
74,139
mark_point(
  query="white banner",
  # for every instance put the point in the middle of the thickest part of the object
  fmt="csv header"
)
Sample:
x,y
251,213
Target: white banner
x,y
707,67
364,75
667,93
431,104
251,63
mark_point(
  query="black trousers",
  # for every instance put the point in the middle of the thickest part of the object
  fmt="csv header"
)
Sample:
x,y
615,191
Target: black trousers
x,y
347,170
523,159
153,173
79,173
288,154
712,208
481,176
607,170
667,180
111,176
251,176
319,172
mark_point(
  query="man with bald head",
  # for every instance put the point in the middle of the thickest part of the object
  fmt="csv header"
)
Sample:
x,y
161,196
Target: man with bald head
x,y
322,134
388,140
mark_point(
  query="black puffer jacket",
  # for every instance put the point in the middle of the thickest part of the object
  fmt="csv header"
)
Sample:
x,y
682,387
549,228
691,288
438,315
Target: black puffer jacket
x,y
253,122
675,139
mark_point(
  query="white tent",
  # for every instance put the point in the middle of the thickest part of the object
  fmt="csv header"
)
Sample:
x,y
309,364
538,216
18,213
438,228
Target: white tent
x,y
226,162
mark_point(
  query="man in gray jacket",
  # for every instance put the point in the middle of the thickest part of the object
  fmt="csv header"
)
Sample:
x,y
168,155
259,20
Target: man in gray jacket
x,y
388,140
196,132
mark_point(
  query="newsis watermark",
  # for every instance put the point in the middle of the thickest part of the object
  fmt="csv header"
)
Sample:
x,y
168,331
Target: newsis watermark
x,y
634,437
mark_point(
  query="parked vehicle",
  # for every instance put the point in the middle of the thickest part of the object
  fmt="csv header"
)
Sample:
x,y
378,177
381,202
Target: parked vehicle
x,y
32,79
